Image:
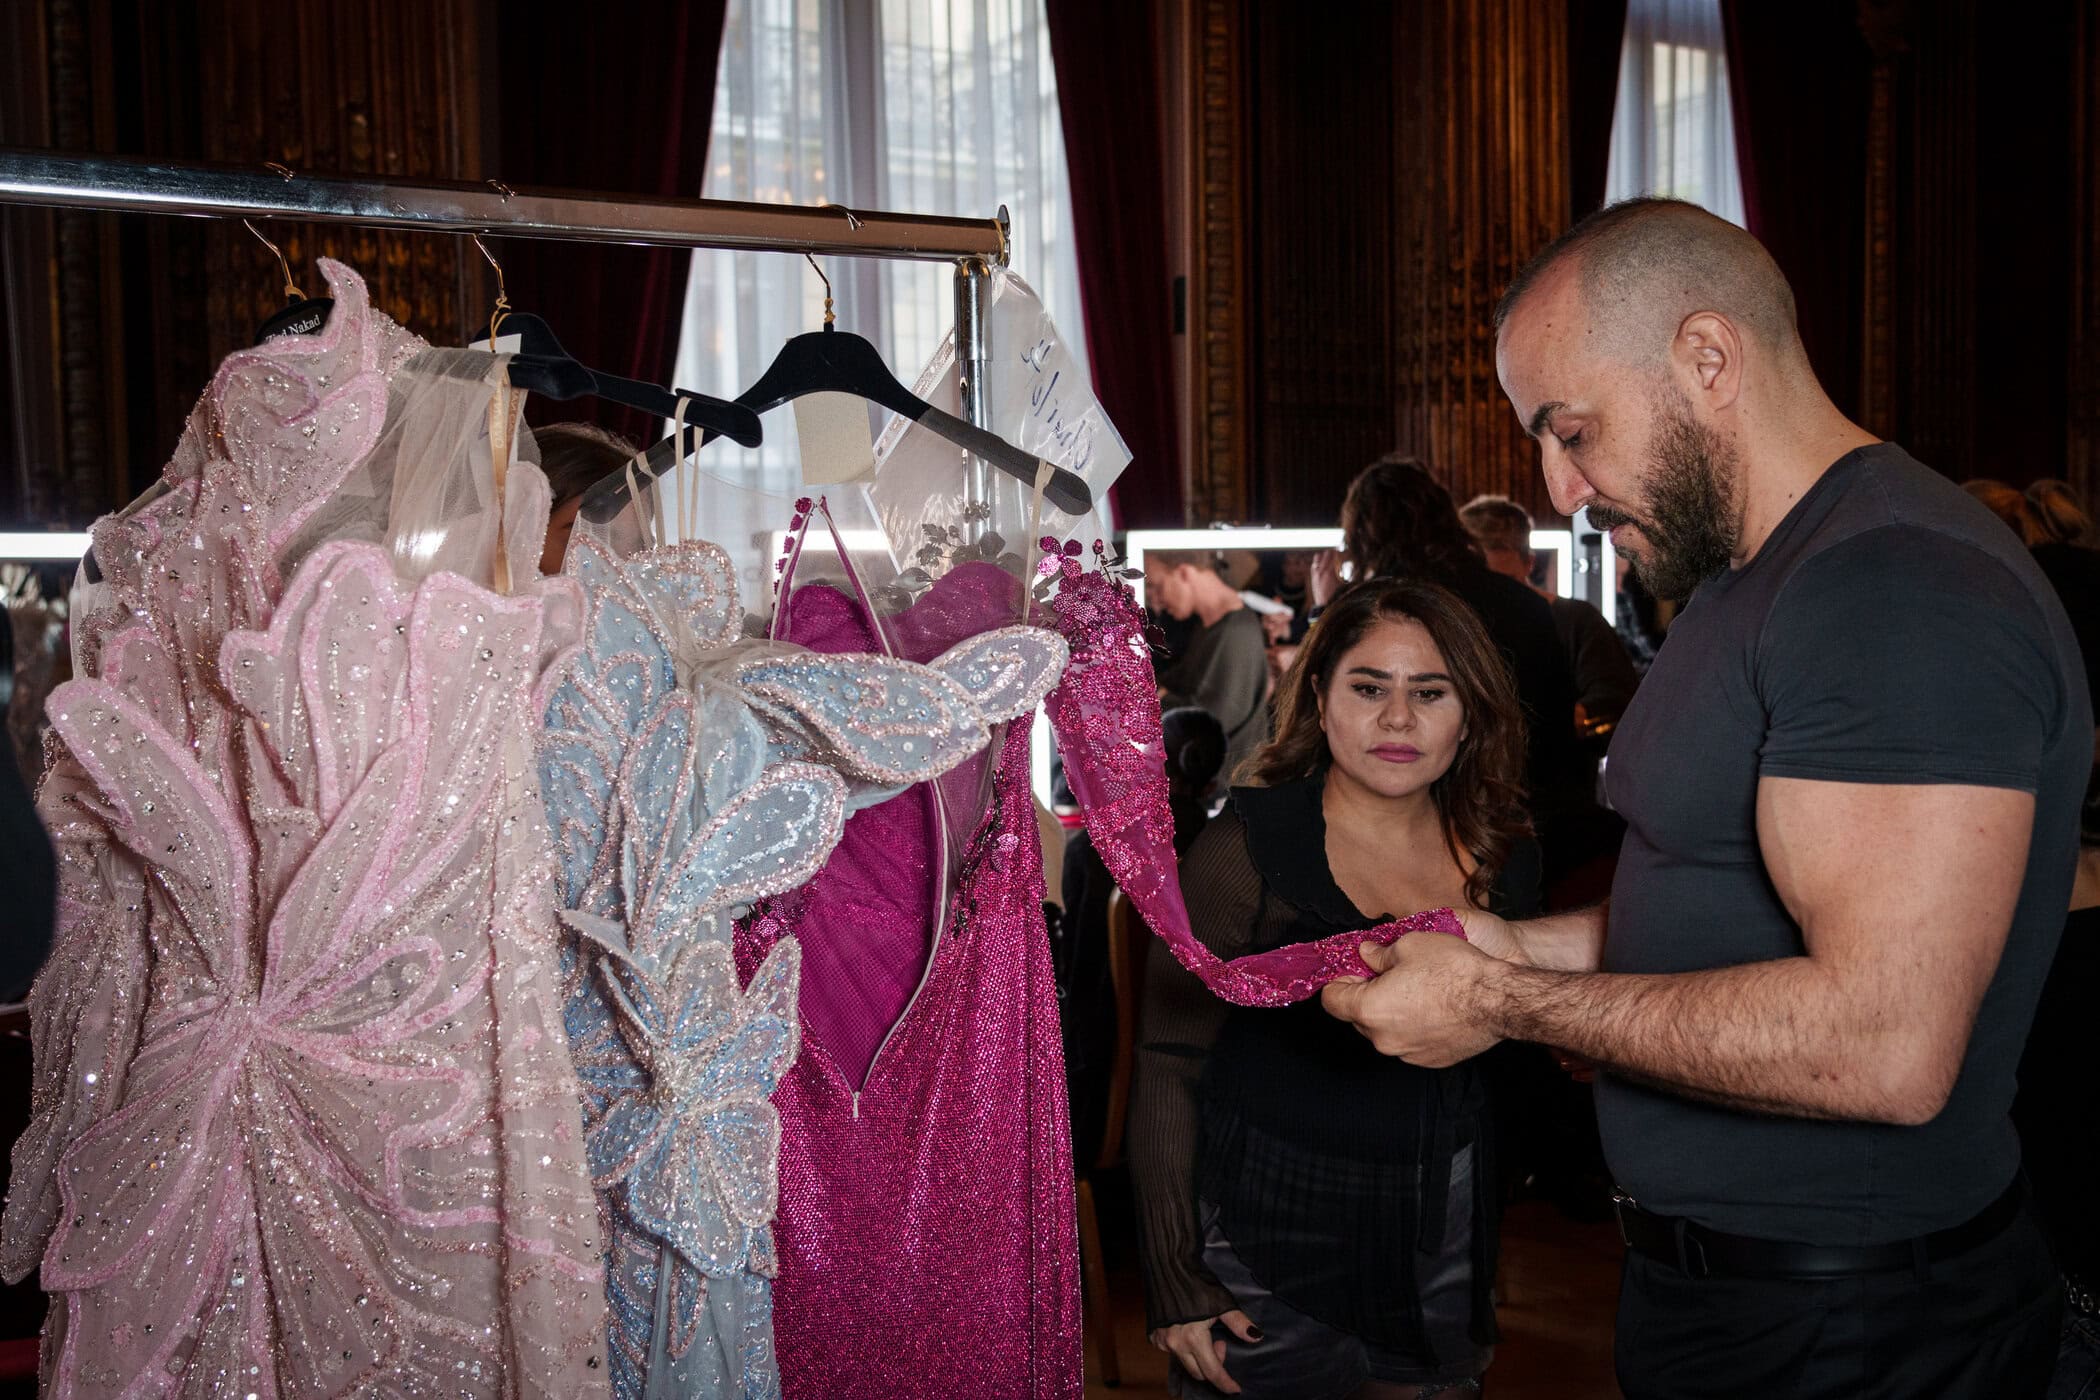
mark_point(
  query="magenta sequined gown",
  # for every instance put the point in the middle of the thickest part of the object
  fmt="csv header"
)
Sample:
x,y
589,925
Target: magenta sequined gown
x,y
926,1234
305,1123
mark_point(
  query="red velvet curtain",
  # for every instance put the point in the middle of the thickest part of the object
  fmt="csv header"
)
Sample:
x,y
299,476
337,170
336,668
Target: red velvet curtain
x,y
1107,58
1799,77
616,103
1596,33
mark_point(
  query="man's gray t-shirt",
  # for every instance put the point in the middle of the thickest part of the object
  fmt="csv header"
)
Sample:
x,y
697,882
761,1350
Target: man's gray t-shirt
x,y
1890,630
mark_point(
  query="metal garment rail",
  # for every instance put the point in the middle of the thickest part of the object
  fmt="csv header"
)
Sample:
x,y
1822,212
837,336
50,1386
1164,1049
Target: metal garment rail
x,y
122,185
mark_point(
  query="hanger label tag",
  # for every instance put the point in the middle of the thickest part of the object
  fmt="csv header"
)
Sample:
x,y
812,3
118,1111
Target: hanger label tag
x,y
505,344
832,430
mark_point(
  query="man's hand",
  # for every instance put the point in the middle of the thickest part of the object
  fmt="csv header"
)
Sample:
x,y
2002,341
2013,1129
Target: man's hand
x,y
1201,1354
1491,934
1425,1004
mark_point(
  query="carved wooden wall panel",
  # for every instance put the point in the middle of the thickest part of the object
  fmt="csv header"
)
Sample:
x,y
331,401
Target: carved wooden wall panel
x,y
1217,130
1322,255
1934,313
1975,179
144,307
1480,174
1395,165
61,266
384,87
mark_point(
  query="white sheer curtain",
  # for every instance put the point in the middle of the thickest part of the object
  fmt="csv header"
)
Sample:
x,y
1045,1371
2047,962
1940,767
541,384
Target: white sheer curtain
x,y
924,106
1672,130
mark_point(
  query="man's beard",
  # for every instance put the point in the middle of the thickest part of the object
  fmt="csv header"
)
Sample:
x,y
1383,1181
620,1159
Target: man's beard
x,y
1693,516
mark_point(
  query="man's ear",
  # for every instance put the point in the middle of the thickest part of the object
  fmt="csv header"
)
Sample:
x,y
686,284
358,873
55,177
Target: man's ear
x,y
1708,357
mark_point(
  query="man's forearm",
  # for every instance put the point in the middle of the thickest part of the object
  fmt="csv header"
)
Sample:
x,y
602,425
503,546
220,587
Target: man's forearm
x,y
1775,1037
1571,942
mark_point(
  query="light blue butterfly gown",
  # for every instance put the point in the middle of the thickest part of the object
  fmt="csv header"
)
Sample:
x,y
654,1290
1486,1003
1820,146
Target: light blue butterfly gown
x,y
688,771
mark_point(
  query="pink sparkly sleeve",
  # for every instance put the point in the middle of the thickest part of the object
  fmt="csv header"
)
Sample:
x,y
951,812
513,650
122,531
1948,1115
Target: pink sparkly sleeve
x,y
1106,717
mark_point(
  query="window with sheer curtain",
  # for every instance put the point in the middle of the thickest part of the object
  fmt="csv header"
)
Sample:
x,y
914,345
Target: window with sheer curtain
x,y
1672,130
919,106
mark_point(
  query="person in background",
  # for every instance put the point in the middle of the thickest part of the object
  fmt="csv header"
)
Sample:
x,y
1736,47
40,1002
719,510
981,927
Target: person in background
x,y
1399,522
2062,515
2050,522
1286,576
575,457
2010,505
2059,1133
2066,555
1086,995
1316,1220
1641,623
1547,1118
1604,676
1224,666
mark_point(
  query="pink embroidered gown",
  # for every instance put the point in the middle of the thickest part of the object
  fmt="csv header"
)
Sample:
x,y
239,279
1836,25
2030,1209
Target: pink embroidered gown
x,y
305,1122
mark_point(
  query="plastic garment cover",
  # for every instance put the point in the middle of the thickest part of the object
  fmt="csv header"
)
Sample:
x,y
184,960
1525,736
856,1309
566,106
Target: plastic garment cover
x,y
1039,399
690,770
305,1118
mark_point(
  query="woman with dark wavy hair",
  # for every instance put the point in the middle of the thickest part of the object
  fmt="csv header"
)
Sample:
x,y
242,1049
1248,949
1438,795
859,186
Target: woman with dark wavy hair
x,y
1318,1219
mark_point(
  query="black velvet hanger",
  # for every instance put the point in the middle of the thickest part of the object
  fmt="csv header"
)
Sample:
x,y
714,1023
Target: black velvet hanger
x,y
832,361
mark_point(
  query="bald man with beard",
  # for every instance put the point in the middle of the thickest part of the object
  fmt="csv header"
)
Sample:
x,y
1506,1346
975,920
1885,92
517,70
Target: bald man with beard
x,y
1851,785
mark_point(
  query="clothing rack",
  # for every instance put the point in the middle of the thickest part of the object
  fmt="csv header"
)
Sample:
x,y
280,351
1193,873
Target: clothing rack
x,y
122,185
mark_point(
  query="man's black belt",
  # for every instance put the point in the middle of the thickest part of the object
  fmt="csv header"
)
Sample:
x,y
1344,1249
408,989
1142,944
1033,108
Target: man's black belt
x,y
1702,1253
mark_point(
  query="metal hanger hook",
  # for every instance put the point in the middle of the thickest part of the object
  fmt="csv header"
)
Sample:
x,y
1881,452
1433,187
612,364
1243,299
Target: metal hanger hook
x,y
828,317
291,288
502,306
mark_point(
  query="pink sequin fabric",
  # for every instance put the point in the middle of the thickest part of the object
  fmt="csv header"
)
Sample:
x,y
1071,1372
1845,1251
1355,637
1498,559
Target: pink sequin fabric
x,y
926,1231
305,1122
1107,721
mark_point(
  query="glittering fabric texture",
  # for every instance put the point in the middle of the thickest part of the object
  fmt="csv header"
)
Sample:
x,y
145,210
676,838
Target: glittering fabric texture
x,y
926,1229
1106,718
317,1132
689,774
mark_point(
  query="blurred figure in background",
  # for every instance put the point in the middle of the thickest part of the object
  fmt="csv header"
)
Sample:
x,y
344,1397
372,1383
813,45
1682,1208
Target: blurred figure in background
x,y
2066,555
2063,517
1641,623
2053,525
2010,505
2059,1133
1604,676
1224,666
575,457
